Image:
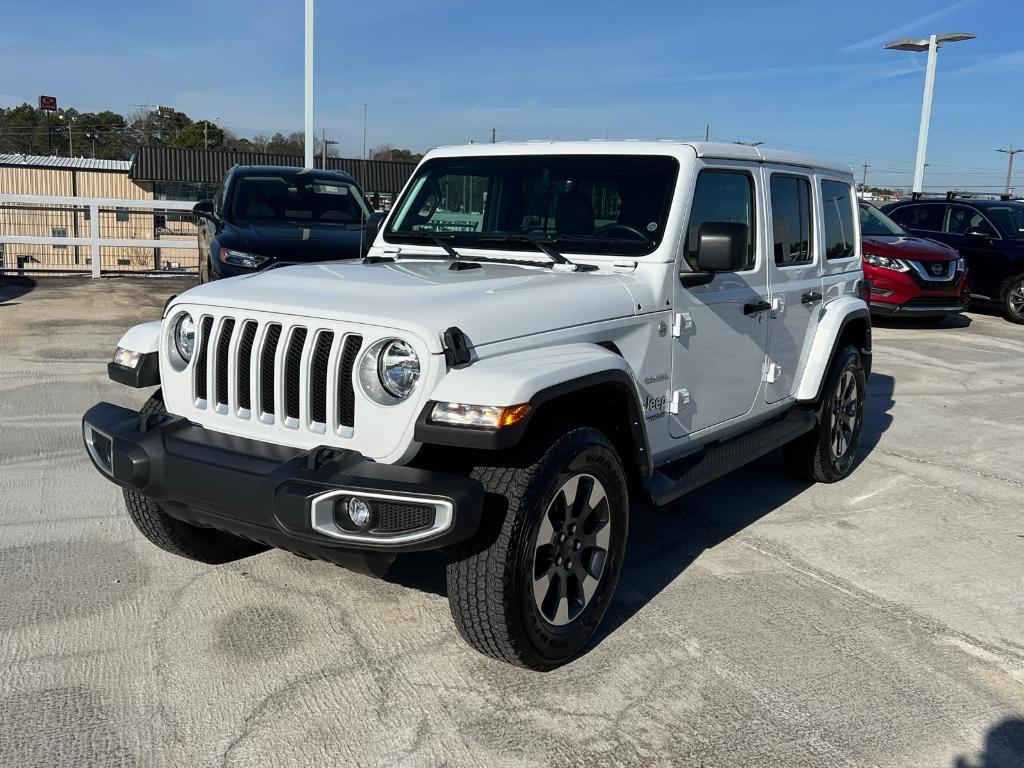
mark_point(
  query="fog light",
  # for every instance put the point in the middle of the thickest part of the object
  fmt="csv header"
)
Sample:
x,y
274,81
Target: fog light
x,y
357,511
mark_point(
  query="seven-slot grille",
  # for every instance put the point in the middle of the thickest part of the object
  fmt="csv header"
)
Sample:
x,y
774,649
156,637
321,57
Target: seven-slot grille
x,y
276,372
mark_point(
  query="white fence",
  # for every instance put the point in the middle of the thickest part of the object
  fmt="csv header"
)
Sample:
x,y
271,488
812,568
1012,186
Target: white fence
x,y
123,236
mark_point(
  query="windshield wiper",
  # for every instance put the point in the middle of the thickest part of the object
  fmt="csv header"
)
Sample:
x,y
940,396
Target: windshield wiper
x,y
438,240
542,245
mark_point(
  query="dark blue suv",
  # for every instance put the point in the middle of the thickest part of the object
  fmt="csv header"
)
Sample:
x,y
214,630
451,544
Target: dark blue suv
x,y
262,215
988,233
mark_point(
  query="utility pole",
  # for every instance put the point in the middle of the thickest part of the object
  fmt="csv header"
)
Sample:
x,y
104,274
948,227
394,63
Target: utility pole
x,y
1009,168
364,131
707,132
206,140
494,135
324,141
864,178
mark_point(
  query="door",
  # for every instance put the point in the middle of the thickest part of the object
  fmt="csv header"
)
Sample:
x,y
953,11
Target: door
x,y
794,279
720,329
966,229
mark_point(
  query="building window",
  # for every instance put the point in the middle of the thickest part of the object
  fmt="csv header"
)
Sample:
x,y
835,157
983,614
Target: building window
x,y
59,232
122,214
791,219
191,191
837,199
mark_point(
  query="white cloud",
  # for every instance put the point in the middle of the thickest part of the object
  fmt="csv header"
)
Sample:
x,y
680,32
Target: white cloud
x,y
910,27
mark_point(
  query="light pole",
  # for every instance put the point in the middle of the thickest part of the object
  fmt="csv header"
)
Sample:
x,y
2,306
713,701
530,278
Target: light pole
x,y
932,45
309,84
1009,168
71,122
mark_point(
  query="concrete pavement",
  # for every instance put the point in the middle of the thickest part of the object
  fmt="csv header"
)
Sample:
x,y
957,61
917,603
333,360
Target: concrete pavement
x,y
760,621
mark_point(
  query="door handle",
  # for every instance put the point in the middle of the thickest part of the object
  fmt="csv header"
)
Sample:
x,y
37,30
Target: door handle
x,y
753,309
811,297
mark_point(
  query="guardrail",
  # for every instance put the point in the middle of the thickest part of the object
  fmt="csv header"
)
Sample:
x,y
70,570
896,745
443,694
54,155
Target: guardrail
x,y
29,222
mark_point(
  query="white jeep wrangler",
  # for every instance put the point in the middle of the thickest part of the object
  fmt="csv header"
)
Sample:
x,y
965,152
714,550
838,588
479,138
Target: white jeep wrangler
x,y
540,333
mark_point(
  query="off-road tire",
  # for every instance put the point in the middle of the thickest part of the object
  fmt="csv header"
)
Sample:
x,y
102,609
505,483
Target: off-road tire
x,y
810,456
179,538
490,577
1013,290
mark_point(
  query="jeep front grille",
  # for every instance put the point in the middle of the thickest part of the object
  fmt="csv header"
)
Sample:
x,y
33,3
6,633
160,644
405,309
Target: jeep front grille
x,y
276,373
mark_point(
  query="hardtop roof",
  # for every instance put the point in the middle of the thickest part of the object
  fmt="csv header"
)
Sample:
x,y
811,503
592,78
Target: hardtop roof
x,y
702,149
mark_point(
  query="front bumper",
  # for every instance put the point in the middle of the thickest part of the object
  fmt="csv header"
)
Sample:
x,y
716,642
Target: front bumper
x,y
280,496
920,307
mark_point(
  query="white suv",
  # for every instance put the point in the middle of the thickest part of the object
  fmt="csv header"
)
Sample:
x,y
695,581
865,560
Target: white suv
x,y
540,333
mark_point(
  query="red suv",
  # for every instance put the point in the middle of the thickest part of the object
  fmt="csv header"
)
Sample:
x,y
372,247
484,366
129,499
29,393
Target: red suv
x,y
910,275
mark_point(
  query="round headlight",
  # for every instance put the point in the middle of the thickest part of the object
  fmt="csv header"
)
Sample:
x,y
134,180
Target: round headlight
x,y
185,336
398,368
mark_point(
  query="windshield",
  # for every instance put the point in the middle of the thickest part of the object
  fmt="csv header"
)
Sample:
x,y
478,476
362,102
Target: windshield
x,y
594,204
1009,217
874,223
298,198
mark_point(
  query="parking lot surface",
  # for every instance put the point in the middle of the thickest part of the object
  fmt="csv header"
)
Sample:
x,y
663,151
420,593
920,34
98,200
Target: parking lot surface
x,y
760,621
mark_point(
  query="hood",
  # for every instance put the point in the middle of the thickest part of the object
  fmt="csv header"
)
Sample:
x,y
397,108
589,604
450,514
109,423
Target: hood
x,y
491,303
293,242
907,247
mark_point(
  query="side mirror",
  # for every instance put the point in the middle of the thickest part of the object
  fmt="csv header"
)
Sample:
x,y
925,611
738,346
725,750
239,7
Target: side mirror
x,y
721,246
203,209
371,229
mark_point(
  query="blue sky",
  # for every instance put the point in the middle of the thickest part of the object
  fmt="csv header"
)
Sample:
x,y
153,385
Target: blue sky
x,y
795,74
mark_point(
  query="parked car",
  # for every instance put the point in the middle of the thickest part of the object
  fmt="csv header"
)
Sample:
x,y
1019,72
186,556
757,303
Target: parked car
x,y
910,275
262,215
616,323
988,233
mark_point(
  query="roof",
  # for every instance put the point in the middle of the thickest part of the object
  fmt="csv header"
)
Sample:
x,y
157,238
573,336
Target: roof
x,y
252,170
68,163
209,166
708,149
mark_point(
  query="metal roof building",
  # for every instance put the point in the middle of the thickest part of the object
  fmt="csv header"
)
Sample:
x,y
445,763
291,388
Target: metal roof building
x,y
63,163
208,166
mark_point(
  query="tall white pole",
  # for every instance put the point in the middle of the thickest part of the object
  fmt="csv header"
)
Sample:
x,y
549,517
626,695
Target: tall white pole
x,y
926,114
309,84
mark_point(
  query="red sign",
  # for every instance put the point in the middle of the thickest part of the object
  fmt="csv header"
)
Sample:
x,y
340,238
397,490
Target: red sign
x,y
48,103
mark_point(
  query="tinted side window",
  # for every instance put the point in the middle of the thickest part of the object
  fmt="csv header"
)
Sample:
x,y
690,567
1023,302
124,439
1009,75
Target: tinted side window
x,y
928,217
960,219
721,196
791,219
837,201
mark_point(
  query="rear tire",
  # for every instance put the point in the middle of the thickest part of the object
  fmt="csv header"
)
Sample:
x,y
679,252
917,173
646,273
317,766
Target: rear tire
x,y
205,545
531,587
1013,299
826,454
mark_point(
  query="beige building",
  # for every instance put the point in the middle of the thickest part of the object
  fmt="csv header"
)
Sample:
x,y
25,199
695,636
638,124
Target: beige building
x,y
153,173
85,178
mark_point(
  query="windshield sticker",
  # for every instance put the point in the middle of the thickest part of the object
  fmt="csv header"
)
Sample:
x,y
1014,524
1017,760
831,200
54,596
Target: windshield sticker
x,y
652,226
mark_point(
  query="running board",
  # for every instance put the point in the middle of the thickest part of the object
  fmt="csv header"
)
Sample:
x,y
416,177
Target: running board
x,y
667,483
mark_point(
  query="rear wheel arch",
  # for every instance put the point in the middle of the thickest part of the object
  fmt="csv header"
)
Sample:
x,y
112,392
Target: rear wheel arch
x,y
855,330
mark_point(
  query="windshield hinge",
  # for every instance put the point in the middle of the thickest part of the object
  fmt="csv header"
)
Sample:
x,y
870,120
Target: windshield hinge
x,y
683,322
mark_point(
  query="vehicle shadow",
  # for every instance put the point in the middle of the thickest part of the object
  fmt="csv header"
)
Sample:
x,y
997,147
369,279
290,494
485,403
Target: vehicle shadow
x,y
948,322
663,542
1004,747
13,287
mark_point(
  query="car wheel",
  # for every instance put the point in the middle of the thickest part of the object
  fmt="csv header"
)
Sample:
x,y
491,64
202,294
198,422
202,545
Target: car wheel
x,y
534,584
1013,299
826,454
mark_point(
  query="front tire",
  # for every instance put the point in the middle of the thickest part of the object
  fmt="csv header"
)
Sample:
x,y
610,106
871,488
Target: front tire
x,y
826,454
532,586
179,538
1013,300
